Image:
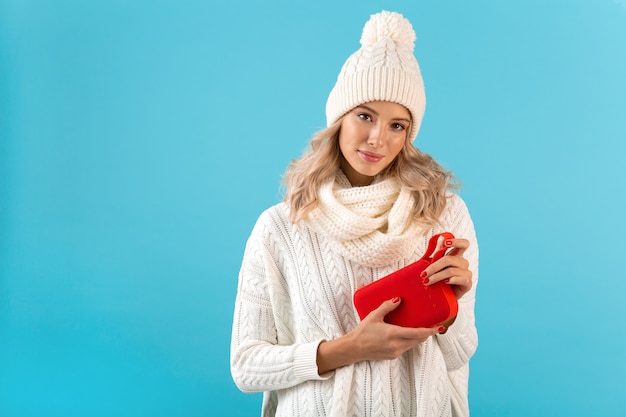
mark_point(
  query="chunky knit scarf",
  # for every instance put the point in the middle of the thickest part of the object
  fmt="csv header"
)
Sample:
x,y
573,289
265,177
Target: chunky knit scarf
x,y
372,225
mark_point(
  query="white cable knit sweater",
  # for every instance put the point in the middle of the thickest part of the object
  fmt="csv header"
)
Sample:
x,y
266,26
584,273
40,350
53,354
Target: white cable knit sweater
x,y
295,290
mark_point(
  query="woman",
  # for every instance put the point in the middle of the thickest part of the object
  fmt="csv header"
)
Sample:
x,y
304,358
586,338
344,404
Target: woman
x,y
361,203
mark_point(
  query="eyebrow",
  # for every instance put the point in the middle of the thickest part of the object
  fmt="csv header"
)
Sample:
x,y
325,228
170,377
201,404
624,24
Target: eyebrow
x,y
363,106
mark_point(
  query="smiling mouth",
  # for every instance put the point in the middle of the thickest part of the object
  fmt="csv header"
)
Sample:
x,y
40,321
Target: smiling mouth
x,y
370,157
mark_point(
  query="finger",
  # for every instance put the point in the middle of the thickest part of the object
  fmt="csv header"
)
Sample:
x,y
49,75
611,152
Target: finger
x,y
429,274
446,324
417,333
451,275
458,246
459,279
385,308
461,283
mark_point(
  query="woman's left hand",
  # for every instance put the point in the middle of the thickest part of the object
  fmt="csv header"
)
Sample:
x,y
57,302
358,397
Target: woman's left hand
x,y
452,268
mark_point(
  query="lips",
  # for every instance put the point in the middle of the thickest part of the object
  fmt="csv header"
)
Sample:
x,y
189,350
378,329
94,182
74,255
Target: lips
x,y
370,156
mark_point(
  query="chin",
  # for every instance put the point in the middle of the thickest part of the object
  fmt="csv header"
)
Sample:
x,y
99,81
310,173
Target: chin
x,y
371,171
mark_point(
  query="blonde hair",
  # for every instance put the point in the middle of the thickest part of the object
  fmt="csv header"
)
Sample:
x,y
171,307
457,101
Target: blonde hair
x,y
428,181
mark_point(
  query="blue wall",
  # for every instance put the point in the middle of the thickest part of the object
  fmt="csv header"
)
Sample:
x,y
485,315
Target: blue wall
x,y
140,140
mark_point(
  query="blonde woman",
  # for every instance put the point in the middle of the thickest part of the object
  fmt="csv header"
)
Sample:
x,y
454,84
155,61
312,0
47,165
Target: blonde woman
x,y
362,202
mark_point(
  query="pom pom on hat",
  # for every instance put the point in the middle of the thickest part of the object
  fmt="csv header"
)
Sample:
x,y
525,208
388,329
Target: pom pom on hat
x,y
383,69
388,25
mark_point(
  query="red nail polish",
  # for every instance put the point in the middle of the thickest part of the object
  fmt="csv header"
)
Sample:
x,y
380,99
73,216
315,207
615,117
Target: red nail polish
x,y
448,243
447,280
425,281
442,329
395,300
423,274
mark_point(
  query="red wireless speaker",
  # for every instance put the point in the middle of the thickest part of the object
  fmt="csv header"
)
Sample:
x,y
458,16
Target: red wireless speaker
x,y
422,305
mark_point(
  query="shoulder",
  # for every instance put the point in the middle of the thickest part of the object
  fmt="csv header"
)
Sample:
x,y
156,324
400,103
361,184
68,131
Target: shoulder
x,y
277,214
274,237
456,214
273,224
456,203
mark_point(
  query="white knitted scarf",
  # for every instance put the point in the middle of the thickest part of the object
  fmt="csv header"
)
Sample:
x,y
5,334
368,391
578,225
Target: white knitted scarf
x,y
371,225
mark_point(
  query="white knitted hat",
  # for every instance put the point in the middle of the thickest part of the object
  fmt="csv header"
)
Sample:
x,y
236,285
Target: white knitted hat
x,y
383,69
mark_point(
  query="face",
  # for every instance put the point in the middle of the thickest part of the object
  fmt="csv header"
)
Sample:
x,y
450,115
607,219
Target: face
x,y
371,137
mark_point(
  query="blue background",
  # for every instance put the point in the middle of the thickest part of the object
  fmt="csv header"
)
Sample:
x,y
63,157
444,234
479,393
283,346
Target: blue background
x,y
140,140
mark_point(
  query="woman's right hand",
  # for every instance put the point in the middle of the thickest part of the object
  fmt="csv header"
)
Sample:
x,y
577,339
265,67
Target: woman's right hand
x,y
372,339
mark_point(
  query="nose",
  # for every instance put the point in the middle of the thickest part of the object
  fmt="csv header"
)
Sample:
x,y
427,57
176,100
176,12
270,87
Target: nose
x,y
376,137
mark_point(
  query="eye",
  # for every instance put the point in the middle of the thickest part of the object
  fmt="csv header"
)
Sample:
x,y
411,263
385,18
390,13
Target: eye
x,y
365,116
398,127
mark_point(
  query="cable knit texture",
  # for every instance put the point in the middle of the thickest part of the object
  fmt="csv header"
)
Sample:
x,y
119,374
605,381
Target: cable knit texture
x,y
295,290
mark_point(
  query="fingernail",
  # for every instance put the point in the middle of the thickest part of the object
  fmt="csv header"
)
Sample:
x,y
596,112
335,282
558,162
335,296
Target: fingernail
x,y
424,274
448,243
426,280
447,280
442,329
395,300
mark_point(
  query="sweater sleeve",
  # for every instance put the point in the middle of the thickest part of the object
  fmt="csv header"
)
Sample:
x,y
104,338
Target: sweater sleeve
x,y
459,343
258,361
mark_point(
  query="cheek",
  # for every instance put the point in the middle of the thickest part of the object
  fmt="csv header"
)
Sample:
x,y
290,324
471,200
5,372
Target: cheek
x,y
345,145
349,135
396,145
342,139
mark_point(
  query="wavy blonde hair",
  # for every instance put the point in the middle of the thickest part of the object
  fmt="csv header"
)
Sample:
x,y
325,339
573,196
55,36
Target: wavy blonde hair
x,y
428,181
